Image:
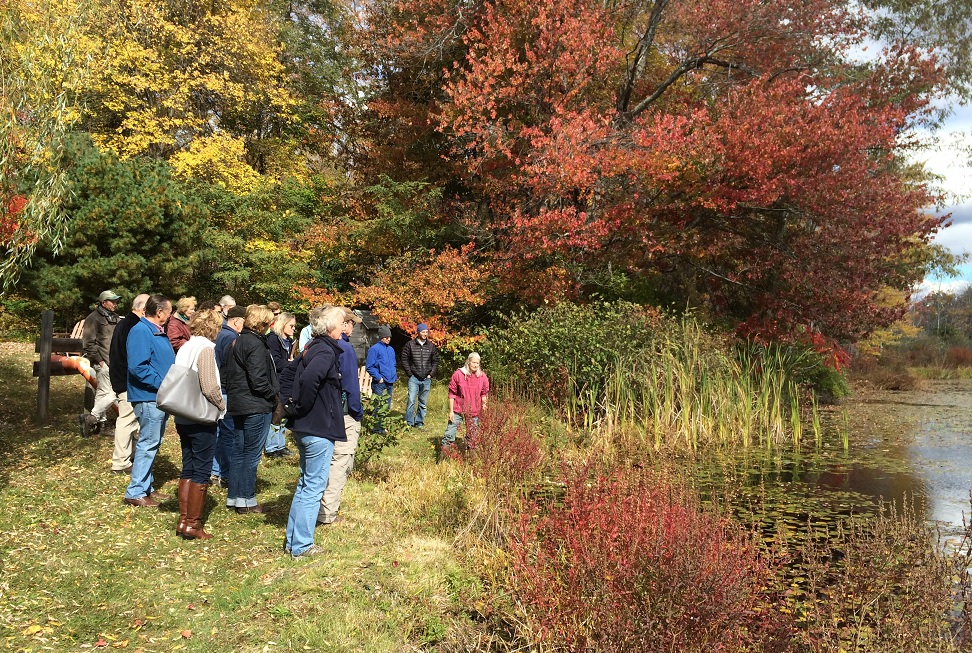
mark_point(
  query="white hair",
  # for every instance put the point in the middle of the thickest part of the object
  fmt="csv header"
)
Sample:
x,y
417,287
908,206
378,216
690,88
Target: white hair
x,y
332,318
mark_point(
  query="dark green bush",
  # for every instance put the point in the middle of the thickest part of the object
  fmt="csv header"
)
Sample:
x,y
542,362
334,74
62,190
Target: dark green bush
x,y
554,347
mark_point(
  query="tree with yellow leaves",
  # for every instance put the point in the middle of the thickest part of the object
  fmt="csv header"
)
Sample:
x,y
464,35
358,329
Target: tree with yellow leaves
x,y
42,63
178,71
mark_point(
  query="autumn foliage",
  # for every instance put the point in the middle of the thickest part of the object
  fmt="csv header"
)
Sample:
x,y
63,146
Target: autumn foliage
x,y
728,153
434,287
630,563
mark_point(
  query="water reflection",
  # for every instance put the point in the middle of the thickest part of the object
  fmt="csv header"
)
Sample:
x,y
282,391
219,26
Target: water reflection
x,y
912,446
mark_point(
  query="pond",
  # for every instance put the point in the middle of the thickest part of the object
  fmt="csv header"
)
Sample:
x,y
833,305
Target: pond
x,y
897,446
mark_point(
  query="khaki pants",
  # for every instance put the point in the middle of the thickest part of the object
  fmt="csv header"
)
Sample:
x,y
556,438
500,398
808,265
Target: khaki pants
x,y
104,395
342,462
126,432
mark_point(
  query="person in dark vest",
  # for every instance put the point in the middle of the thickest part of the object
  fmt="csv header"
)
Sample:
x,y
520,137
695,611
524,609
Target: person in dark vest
x,y
420,358
126,426
226,433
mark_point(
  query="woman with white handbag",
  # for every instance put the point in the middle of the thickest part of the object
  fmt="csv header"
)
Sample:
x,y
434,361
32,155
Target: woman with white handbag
x,y
198,436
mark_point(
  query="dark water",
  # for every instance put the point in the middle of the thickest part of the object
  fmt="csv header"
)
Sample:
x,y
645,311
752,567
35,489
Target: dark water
x,y
913,447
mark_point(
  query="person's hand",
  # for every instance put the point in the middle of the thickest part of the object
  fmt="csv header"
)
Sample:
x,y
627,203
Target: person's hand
x,y
452,418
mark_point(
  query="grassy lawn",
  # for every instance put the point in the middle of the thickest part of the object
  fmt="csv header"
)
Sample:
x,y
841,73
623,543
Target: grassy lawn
x,y
79,569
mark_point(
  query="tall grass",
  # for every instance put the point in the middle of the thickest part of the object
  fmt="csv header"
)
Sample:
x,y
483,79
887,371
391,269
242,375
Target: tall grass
x,y
686,394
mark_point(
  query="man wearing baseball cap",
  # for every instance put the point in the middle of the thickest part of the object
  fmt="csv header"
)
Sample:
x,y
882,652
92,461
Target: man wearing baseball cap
x,y
96,342
380,364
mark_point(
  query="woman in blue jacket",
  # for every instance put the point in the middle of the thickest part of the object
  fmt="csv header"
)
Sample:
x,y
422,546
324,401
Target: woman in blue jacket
x,y
319,422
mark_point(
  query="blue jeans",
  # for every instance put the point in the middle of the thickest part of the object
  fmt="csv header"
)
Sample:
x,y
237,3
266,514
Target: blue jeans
x,y
276,438
449,438
251,435
151,427
418,389
221,459
198,446
315,464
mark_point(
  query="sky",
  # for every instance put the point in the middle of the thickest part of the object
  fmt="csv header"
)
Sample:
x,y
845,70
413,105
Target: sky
x,y
952,160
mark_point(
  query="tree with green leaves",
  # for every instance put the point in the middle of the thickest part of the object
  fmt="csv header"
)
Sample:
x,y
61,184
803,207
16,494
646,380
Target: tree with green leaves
x,y
131,227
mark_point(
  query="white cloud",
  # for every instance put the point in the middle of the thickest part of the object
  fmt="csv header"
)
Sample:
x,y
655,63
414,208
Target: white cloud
x,y
954,286
957,238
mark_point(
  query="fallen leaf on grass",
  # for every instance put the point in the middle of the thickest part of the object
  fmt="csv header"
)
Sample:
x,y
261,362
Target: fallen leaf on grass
x,y
101,643
186,634
31,630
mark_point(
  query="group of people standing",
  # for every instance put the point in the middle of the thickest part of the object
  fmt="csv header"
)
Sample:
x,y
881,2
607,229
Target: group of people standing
x,y
259,381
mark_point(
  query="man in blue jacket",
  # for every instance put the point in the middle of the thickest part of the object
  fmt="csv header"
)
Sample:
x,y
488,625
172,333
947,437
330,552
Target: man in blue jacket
x,y
342,460
150,356
380,364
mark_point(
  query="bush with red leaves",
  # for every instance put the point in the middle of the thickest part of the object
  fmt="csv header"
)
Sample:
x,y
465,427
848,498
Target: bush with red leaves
x,y
629,563
504,450
958,357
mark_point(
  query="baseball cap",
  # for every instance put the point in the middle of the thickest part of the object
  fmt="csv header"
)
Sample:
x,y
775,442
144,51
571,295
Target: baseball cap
x,y
108,296
350,315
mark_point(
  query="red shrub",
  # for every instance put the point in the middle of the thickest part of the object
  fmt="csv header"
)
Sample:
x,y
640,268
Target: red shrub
x,y
958,357
630,564
504,449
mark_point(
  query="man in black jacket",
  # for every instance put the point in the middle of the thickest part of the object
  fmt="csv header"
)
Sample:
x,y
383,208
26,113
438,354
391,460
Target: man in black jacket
x,y
126,428
420,358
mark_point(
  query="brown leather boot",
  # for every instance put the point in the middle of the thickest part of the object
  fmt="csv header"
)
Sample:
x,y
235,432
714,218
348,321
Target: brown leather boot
x,y
183,504
194,510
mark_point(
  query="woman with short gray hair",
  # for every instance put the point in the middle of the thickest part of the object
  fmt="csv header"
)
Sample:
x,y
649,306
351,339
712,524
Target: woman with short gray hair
x,y
318,424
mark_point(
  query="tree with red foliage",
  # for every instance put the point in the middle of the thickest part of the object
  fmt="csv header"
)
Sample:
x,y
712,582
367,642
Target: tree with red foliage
x,y
8,218
726,154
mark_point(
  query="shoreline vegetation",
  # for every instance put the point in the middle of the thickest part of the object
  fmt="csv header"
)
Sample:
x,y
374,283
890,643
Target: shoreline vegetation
x,y
573,524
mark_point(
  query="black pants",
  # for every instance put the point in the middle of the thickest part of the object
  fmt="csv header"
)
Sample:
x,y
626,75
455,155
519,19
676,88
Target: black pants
x,y
198,448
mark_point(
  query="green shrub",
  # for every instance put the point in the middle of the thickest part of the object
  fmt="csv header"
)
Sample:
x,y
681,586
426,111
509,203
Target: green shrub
x,y
20,318
636,377
565,350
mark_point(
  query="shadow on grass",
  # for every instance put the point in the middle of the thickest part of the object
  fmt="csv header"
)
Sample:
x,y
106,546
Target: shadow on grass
x,y
26,445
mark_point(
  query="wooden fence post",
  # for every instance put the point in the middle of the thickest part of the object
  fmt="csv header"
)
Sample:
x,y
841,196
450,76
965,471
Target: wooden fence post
x,y
45,347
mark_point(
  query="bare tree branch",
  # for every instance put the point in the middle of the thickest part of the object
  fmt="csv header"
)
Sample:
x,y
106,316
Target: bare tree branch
x,y
637,66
